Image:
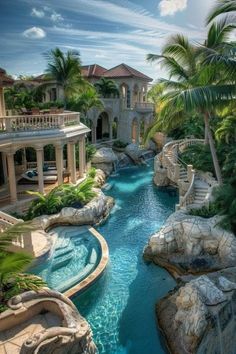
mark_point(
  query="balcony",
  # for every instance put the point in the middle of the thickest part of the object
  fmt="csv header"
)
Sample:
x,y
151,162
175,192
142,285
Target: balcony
x,y
144,107
27,123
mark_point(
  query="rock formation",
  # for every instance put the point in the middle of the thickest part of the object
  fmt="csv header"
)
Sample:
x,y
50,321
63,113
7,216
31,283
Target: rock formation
x,y
160,173
191,243
199,317
135,153
92,213
104,159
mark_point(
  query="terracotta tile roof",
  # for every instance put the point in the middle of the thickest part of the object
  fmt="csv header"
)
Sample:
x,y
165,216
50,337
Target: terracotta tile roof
x,y
94,70
5,80
124,70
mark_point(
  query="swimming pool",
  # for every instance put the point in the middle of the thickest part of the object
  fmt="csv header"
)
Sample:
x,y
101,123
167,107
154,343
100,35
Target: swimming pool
x,y
120,306
75,255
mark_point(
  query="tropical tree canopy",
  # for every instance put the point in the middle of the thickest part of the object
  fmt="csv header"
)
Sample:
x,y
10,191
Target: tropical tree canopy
x,y
65,68
199,80
12,264
106,88
223,7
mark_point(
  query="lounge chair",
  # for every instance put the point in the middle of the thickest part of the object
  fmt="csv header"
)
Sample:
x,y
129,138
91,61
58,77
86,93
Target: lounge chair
x,y
31,177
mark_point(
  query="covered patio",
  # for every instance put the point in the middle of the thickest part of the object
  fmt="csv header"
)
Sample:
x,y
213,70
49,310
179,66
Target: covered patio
x,y
19,132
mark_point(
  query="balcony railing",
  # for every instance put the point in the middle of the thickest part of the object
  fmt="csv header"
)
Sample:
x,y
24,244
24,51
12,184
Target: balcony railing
x,y
144,106
38,122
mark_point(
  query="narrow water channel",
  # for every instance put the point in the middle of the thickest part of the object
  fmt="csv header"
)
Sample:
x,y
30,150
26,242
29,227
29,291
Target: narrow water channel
x,y
120,306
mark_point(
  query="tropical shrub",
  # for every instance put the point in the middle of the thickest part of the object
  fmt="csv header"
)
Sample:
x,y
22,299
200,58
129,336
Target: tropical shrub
x,y
199,156
90,151
50,203
12,264
82,193
206,211
107,88
225,200
92,172
60,197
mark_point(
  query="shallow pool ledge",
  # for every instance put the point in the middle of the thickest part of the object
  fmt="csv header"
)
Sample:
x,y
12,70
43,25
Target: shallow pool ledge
x,y
91,278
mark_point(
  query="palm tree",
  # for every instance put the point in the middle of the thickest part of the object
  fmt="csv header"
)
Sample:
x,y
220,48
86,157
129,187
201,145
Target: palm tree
x,y
85,101
12,264
222,7
198,88
65,68
106,88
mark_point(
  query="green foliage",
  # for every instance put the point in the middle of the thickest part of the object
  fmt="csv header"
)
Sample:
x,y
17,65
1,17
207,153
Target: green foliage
x,y
222,7
85,101
82,193
119,144
12,264
226,131
22,282
193,126
107,88
199,156
205,211
50,203
90,151
65,68
92,172
225,200
60,197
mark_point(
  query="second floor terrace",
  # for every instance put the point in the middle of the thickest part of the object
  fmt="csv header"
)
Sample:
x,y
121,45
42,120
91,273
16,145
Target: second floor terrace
x,y
43,125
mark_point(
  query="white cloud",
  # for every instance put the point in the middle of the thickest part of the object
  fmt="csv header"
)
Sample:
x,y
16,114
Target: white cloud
x,y
56,17
37,13
170,7
34,33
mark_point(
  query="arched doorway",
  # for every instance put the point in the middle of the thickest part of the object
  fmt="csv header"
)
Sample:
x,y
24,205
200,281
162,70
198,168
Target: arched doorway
x,y
102,131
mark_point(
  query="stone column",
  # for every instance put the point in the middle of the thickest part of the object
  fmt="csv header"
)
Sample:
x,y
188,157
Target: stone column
x,y
94,133
39,156
2,102
59,163
24,161
12,177
137,140
69,157
81,156
72,163
110,130
4,166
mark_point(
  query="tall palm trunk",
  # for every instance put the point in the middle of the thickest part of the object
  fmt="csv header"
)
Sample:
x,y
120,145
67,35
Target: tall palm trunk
x,y
206,139
212,148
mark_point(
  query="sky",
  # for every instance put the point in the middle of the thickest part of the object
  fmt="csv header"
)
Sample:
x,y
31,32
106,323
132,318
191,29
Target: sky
x,y
106,32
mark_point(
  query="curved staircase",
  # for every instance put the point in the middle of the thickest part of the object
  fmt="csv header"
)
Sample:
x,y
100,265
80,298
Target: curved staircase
x,y
195,186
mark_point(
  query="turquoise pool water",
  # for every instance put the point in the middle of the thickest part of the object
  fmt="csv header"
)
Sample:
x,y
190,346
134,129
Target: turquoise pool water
x,y
120,306
75,254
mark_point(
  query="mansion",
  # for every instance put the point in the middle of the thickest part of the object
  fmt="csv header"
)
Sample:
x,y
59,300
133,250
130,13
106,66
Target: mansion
x,y
124,118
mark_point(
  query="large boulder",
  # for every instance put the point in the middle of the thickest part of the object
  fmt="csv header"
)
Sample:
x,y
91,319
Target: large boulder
x,y
123,160
104,159
192,243
198,316
134,152
92,213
